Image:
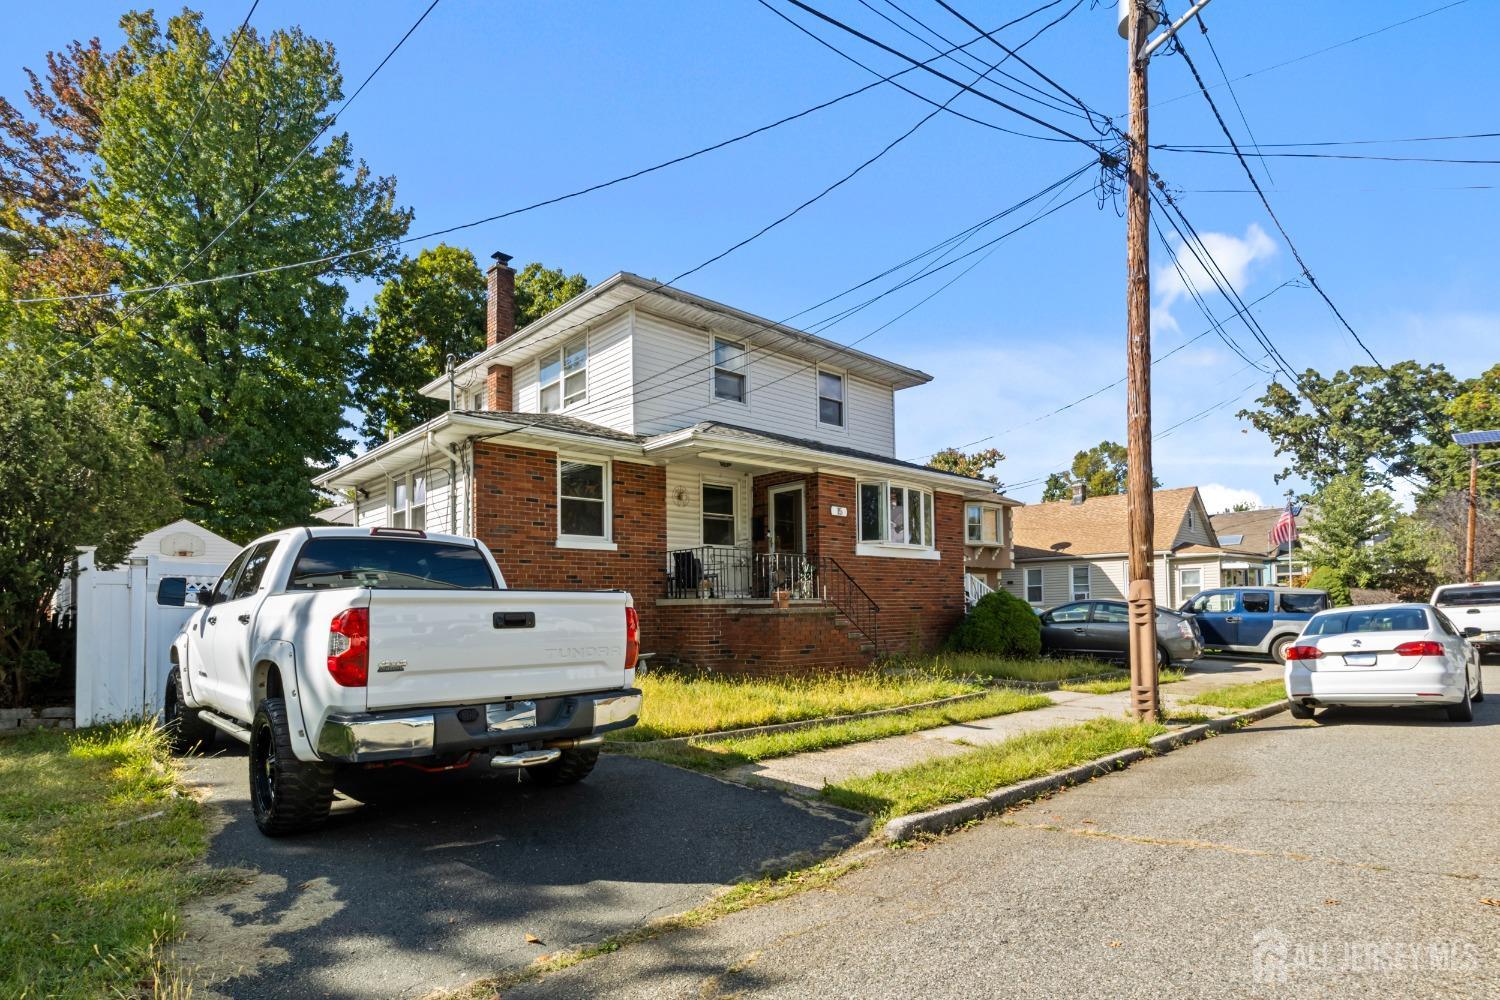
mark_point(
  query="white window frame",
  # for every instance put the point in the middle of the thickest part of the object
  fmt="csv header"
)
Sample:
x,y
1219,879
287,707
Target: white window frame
x,y
974,525
733,517
1040,585
1182,585
1086,593
401,502
926,503
565,400
842,400
736,367
606,542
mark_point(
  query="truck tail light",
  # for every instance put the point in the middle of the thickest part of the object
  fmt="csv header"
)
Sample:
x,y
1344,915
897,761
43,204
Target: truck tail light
x,y
632,637
349,647
1420,649
1304,653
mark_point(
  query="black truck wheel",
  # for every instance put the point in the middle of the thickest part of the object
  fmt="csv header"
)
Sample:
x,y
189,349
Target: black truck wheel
x,y
570,768
186,731
287,795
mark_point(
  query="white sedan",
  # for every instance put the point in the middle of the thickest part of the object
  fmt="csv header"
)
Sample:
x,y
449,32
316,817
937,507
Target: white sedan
x,y
1383,655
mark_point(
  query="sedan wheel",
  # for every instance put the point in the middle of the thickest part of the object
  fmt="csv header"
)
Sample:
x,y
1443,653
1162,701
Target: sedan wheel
x,y
1479,689
1464,710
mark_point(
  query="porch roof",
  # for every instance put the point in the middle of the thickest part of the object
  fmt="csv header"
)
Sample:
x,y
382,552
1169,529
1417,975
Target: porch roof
x,y
553,431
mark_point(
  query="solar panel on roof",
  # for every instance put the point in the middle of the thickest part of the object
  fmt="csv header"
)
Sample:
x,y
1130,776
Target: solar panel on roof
x,y
1471,438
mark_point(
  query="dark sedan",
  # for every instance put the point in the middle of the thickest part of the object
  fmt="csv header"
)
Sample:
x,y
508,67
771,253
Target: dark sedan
x,y
1102,628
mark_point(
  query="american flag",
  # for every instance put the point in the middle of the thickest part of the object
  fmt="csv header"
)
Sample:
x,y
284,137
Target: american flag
x,y
1286,527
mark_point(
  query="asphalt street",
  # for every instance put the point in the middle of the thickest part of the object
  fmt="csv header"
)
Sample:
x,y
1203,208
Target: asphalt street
x,y
401,899
1355,856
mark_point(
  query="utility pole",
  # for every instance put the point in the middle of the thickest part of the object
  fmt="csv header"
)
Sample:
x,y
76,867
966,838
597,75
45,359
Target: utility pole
x,y
1473,514
1137,19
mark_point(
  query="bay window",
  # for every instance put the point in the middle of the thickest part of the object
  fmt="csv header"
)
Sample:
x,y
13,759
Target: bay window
x,y
582,500
895,515
563,377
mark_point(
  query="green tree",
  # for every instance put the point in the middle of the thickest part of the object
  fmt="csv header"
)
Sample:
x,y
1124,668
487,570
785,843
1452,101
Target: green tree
x,y
1102,469
541,289
75,470
243,382
433,306
975,465
1396,416
1327,578
1346,519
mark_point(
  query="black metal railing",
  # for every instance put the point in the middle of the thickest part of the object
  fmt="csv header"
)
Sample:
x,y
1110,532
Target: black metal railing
x,y
720,572
711,572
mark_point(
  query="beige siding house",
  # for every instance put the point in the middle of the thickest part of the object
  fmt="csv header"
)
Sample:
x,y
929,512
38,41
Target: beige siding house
x,y
1075,550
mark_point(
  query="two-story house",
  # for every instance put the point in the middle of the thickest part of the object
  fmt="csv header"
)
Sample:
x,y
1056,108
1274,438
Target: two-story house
x,y
737,476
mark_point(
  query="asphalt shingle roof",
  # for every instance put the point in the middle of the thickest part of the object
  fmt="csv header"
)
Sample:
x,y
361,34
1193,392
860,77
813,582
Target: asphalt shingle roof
x,y
1097,526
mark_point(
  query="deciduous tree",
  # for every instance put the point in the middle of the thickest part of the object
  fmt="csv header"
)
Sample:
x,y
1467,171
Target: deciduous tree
x,y
1102,469
975,465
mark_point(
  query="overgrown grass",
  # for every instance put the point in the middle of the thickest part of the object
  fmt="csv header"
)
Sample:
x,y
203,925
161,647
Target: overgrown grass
x,y
995,668
1243,696
686,706
720,755
95,856
952,779
1109,685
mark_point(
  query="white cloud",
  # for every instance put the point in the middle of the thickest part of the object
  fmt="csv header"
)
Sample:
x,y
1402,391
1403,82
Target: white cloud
x,y
1235,257
1218,498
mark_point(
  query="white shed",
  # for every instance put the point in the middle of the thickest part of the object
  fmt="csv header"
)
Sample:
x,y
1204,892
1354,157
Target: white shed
x,y
126,617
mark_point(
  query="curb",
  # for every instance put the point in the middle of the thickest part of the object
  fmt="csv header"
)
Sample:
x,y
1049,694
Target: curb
x,y
951,815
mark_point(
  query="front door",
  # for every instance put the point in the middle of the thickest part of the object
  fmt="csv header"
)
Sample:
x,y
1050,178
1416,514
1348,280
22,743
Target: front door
x,y
788,528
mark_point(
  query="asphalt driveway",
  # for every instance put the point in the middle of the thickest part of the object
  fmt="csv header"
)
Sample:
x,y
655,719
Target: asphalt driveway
x,y
398,900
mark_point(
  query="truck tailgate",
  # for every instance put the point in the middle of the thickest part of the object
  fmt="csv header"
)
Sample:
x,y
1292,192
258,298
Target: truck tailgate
x,y
445,647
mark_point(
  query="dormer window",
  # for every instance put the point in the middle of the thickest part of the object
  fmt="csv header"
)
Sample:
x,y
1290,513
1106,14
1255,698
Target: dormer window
x,y
831,398
729,370
563,379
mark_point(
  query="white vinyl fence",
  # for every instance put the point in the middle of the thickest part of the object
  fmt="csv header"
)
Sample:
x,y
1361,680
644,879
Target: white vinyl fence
x,y
126,619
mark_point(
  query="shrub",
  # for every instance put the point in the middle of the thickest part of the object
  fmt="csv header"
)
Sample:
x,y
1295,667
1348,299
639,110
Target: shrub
x,y
1327,578
1001,624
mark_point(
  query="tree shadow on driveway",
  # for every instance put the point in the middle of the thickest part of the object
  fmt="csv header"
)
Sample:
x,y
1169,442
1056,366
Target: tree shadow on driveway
x,y
401,899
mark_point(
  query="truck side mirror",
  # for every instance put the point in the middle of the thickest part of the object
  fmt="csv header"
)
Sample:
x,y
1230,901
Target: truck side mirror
x,y
206,597
1471,632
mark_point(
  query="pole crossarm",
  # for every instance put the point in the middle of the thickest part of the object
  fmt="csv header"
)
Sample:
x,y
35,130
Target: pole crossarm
x,y
1166,36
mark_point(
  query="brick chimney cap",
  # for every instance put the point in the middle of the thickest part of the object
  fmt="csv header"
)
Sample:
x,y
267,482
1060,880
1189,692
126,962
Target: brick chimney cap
x,y
501,259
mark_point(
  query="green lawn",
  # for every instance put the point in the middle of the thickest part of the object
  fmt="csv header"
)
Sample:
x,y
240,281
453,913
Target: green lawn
x,y
1243,696
996,668
952,779
686,706
720,755
96,857
1109,685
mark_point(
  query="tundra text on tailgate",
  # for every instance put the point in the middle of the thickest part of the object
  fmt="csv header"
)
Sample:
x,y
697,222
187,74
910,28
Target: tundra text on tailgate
x,y
337,652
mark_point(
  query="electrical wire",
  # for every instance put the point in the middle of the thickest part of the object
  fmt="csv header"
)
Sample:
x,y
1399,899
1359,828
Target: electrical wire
x,y
1203,29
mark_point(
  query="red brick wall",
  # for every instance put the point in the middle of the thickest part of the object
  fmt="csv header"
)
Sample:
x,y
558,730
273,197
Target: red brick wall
x,y
921,600
756,640
498,392
515,514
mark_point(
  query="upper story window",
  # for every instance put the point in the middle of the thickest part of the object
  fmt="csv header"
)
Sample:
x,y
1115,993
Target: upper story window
x,y
408,507
974,522
982,524
582,500
831,398
729,370
895,515
563,379
480,400
718,514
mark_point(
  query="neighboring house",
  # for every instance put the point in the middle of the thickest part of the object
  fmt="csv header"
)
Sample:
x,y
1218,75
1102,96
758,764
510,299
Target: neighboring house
x,y
340,513
1076,550
700,457
1250,559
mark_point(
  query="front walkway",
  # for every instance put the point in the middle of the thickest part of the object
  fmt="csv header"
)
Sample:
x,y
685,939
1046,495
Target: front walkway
x,y
809,772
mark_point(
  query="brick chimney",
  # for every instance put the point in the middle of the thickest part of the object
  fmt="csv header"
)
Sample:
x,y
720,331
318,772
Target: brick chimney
x,y
500,323
1080,491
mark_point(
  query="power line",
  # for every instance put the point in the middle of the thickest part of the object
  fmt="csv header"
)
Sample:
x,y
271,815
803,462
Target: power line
x,y
553,200
1335,142
1245,165
1334,156
1203,28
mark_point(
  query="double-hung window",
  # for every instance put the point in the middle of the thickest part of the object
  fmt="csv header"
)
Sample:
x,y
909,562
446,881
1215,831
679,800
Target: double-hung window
x,y
729,370
409,501
582,500
563,377
974,522
895,515
1034,586
1189,583
718,514
1081,582
830,398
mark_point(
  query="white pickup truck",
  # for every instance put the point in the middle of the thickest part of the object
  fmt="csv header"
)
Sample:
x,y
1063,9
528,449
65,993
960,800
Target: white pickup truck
x,y
332,650
1475,609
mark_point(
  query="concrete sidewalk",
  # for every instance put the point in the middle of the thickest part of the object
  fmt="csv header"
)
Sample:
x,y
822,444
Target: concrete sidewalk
x,y
809,772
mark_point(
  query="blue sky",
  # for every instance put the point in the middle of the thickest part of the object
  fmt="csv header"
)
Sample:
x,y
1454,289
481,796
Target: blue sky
x,y
491,106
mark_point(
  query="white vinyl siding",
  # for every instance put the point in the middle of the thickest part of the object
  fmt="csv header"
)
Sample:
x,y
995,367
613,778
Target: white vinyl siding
x,y
1195,533
608,399
674,365
685,503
